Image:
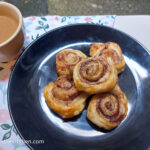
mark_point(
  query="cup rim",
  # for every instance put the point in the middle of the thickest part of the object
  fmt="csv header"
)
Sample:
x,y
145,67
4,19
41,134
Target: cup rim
x,y
19,25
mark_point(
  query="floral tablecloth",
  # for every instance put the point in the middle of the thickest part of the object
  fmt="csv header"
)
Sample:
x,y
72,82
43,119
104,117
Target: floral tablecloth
x,y
34,27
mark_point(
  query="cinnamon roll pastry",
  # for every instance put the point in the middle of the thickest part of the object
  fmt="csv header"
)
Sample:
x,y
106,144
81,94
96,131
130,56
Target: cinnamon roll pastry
x,y
95,75
63,98
107,110
109,49
95,48
66,61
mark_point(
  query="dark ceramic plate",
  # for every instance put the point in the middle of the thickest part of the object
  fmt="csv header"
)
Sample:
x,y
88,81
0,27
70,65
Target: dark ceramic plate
x,y
35,68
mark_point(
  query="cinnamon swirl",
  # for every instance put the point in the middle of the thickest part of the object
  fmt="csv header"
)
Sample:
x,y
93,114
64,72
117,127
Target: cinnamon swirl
x,y
109,49
63,98
66,60
107,110
95,75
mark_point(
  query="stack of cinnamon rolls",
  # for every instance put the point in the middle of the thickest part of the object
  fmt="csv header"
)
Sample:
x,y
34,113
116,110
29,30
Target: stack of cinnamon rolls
x,y
80,76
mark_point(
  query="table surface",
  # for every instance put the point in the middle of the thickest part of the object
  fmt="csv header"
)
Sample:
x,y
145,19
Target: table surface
x,y
136,26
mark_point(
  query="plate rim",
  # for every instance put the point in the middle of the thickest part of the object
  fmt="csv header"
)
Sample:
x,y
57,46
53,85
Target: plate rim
x,y
42,36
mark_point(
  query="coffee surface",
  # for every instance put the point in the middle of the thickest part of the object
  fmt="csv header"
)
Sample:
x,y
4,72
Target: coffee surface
x,y
7,27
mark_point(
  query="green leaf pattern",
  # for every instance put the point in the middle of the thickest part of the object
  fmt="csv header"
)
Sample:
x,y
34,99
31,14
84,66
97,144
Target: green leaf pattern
x,y
37,36
9,129
5,126
43,18
42,24
63,19
6,136
15,131
38,28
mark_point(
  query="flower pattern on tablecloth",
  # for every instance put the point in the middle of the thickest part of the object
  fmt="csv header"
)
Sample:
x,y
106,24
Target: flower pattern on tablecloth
x,y
34,28
4,115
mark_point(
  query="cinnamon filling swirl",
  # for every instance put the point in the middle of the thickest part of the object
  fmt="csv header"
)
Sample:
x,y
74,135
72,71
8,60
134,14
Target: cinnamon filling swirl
x,y
112,53
64,89
69,58
109,107
93,70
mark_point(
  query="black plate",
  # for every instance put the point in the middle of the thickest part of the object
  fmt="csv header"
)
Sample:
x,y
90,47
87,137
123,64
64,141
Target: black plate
x,y
36,68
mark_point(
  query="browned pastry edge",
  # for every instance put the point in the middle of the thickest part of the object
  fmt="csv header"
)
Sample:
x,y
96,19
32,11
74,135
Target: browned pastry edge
x,y
64,99
95,75
66,61
109,49
107,110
